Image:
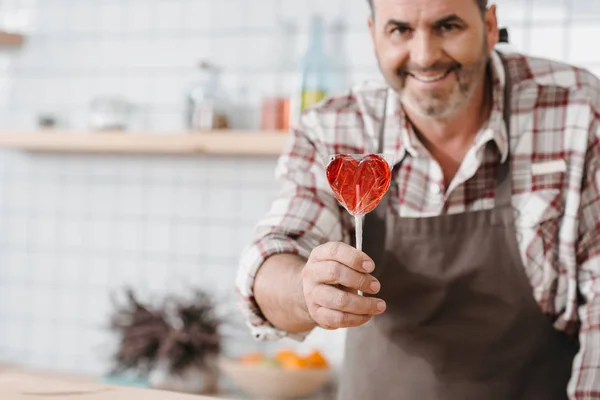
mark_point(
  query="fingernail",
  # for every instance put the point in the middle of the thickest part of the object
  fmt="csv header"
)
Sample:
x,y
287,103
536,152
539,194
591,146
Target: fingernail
x,y
381,306
375,286
368,266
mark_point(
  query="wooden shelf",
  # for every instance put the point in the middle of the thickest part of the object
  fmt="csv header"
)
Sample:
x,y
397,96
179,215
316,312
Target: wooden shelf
x,y
11,39
248,143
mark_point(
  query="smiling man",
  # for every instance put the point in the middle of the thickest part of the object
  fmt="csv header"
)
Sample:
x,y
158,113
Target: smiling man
x,y
481,266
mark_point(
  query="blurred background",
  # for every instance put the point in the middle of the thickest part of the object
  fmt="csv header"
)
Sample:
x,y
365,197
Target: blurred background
x,y
85,213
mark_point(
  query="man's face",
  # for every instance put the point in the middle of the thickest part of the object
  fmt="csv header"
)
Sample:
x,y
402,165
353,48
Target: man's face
x,y
433,53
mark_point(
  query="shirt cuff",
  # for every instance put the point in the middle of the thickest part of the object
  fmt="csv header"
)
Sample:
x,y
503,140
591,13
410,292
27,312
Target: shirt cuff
x,y
252,259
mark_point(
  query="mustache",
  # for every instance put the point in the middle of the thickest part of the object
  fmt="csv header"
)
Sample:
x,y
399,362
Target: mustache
x,y
439,67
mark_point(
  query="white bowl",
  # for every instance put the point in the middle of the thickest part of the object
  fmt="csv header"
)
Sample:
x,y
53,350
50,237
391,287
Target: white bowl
x,y
266,382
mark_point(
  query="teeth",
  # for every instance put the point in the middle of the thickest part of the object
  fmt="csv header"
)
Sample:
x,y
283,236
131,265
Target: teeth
x,y
430,78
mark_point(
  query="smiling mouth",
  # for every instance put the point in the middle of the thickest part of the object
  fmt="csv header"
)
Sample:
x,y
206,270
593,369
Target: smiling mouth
x,y
432,78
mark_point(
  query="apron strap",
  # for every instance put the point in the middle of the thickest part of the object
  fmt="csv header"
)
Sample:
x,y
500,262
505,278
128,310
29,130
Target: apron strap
x,y
381,144
503,190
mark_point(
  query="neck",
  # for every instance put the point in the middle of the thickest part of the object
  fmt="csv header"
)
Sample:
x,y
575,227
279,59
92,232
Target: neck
x,y
448,140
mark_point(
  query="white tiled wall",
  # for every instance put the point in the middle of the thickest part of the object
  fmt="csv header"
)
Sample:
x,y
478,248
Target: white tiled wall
x,y
74,228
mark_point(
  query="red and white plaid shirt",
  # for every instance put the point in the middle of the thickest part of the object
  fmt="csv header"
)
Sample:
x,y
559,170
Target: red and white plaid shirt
x,y
555,151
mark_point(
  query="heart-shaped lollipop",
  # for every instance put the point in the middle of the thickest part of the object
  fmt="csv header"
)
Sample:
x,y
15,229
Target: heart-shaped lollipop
x,y
359,184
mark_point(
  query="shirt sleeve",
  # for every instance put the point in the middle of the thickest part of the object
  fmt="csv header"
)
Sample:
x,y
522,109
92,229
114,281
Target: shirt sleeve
x,y
585,382
304,215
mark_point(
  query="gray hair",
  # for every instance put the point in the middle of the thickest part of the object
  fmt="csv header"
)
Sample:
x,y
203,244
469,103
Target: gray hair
x,y
481,3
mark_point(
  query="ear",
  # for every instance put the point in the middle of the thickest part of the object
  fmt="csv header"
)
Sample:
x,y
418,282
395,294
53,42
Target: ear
x,y
491,27
371,24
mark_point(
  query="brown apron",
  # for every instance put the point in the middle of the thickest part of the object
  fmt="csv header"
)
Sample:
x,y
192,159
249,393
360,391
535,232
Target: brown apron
x,y
461,320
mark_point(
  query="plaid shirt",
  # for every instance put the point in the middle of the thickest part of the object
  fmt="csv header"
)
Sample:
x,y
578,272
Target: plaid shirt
x,y
555,152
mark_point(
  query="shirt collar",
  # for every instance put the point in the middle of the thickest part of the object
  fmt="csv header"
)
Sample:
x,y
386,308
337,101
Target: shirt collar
x,y
495,129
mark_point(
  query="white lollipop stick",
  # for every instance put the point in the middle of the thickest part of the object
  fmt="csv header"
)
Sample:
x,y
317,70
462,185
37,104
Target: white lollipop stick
x,y
358,231
358,221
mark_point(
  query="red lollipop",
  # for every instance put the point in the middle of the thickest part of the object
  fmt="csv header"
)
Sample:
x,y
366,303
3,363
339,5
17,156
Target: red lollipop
x,y
359,184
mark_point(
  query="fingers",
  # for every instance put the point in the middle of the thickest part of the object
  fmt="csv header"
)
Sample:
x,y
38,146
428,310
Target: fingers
x,y
332,278
344,254
339,300
334,273
332,319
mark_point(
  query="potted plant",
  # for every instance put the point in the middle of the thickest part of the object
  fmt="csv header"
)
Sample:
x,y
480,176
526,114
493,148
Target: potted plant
x,y
176,345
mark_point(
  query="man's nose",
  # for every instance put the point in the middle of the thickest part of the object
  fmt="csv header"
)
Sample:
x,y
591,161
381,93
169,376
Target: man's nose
x,y
425,50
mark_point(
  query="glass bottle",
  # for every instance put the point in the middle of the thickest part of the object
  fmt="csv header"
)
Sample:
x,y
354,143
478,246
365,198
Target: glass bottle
x,y
206,103
316,68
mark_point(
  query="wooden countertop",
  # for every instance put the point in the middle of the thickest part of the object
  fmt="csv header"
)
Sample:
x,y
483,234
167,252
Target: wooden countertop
x,y
20,384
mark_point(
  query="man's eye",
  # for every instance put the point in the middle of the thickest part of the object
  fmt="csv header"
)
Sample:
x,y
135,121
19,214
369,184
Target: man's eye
x,y
448,27
400,31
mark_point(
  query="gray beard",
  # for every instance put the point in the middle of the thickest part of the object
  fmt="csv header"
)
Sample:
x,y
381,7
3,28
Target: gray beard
x,y
435,106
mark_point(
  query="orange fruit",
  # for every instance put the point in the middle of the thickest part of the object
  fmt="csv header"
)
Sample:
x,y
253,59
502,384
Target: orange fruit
x,y
285,354
252,358
316,360
294,362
